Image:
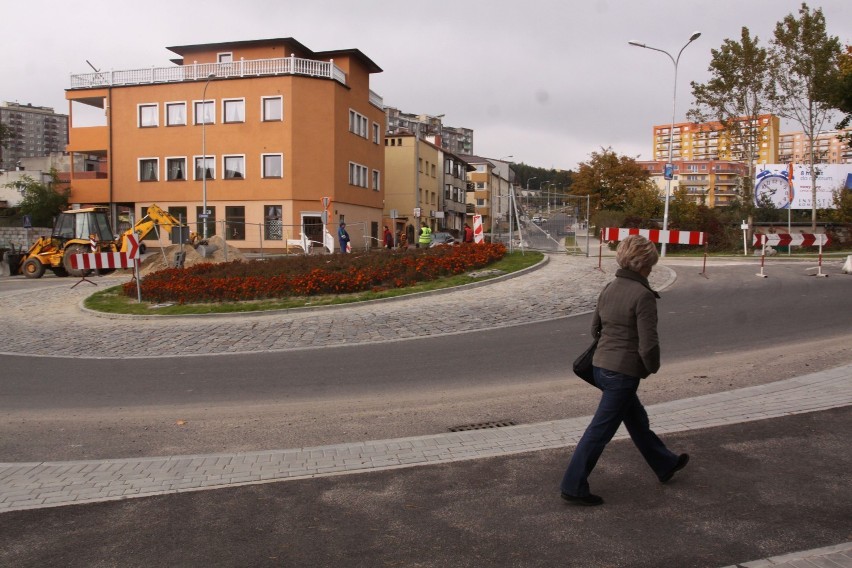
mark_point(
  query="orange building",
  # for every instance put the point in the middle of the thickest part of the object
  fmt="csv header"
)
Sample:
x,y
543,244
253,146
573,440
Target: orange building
x,y
710,140
260,130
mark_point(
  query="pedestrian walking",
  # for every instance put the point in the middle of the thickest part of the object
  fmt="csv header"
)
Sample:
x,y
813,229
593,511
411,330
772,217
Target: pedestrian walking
x,y
425,237
387,237
625,320
468,234
343,238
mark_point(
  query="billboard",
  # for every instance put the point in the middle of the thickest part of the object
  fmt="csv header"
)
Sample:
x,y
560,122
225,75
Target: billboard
x,y
773,184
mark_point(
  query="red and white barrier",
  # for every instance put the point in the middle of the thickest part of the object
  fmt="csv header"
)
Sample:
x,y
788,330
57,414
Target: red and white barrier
x,y
101,260
478,235
656,236
787,240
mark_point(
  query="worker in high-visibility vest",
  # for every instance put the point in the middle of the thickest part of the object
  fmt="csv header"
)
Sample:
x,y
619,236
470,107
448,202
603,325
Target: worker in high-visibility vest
x,y
425,237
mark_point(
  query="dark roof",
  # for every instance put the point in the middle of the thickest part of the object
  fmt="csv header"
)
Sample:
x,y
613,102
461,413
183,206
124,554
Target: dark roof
x,y
229,45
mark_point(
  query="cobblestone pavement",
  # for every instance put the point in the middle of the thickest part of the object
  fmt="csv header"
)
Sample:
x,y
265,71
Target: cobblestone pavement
x,y
562,286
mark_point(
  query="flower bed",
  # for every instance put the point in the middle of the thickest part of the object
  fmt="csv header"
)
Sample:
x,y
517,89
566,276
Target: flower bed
x,y
311,275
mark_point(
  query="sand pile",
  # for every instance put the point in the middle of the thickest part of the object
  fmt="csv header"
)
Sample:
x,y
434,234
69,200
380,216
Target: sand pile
x,y
215,249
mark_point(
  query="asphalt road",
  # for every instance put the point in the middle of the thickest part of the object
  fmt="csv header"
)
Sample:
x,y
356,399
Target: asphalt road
x,y
728,329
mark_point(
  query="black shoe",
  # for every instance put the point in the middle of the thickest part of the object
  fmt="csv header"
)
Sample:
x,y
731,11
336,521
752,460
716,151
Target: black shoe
x,y
586,501
682,460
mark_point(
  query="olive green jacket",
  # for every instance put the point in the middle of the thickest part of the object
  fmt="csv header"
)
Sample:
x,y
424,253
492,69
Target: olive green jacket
x,y
625,319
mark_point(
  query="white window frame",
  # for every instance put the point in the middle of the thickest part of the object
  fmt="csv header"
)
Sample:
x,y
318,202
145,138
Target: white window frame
x,y
377,180
211,158
358,123
211,102
225,114
169,104
225,57
263,166
377,133
225,158
185,172
358,174
139,168
156,108
263,116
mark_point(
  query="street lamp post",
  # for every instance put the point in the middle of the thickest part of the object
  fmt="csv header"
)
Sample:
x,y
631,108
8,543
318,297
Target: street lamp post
x,y
204,154
669,169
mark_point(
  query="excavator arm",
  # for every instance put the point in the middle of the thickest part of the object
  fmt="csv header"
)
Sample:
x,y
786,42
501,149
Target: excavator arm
x,y
154,216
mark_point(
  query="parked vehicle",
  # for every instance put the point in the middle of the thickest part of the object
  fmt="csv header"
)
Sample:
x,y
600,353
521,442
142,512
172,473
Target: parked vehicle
x,y
439,239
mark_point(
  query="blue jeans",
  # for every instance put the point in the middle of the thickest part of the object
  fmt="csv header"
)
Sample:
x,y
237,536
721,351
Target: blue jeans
x,y
619,403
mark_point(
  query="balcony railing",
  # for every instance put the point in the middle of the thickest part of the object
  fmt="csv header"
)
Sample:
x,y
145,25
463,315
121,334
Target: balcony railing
x,y
200,71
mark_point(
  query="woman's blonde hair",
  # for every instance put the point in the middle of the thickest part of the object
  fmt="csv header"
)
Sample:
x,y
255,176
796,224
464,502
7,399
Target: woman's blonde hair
x,y
636,253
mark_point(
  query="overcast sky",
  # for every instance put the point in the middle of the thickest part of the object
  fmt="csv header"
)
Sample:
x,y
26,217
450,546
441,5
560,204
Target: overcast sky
x,y
546,81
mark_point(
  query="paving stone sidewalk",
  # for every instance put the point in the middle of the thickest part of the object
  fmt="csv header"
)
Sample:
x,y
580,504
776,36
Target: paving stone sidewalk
x,y
46,484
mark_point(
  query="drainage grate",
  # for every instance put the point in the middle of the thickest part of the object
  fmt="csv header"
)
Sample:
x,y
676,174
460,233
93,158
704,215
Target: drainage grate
x,y
483,425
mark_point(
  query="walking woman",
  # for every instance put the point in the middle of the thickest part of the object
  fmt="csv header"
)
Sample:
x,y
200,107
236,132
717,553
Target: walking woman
x,y
628,350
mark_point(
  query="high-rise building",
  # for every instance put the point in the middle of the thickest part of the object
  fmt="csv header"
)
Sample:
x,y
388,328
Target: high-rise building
x,y
713,183
36,131
710,140
828,148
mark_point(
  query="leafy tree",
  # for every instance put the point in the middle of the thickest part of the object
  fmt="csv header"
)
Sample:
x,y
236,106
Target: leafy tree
x,y
6,135
840,94
617,183
739,90
42,201
803,63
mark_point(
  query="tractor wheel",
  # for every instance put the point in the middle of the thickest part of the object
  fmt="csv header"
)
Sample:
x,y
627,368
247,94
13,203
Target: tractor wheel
x,y
33,268
59,271
71,250
142,248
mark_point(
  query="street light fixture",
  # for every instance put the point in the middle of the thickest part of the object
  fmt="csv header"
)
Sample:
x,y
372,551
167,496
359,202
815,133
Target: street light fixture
x,y
204,154
669,169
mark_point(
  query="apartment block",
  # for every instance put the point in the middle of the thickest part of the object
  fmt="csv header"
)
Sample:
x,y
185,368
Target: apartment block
x,y
828,148
457,140
710,141
274,139
713,183
424,185
37,131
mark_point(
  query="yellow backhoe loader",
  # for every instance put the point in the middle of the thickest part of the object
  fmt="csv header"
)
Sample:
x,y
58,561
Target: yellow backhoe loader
x,y
81,231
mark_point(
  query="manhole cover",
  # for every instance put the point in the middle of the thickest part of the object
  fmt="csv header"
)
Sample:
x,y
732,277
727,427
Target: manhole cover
x,y
483,425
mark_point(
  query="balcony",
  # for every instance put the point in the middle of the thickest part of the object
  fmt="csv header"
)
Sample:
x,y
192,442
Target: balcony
x,y
200,71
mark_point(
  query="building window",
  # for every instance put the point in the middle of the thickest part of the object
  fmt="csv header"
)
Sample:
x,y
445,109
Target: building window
x,y
358,123
376,180
175,114
149,116
234,167
235,223
205,167
377,136
234,110
273,165
357,174
273,230
205,112
272,108
149,169
178,213
175,169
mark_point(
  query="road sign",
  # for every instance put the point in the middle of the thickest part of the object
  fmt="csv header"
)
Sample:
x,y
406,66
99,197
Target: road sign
x,y
203,216
325,202
785,240
133,247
